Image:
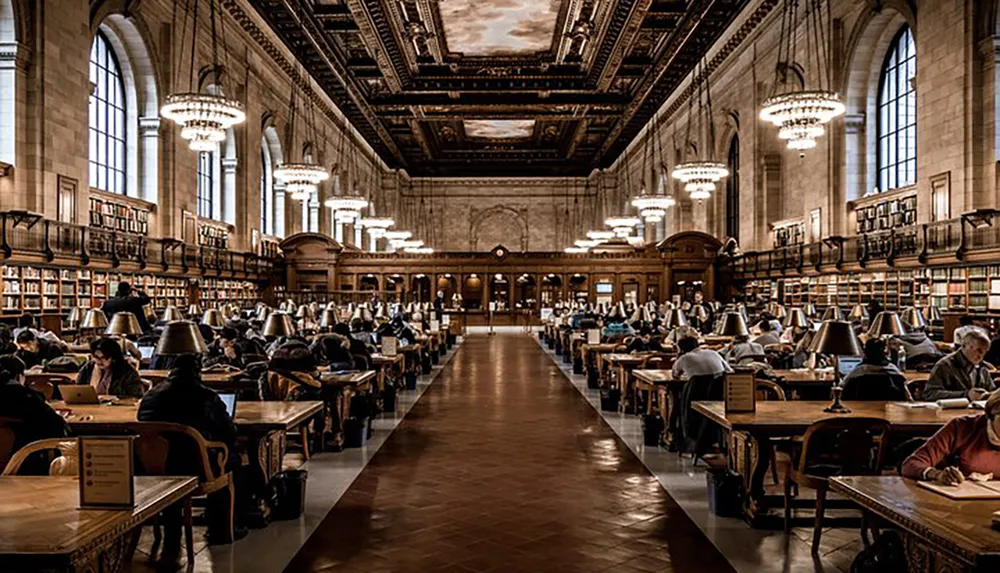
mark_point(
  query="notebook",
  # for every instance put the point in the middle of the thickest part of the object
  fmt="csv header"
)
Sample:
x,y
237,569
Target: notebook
x,y
965,490
229,399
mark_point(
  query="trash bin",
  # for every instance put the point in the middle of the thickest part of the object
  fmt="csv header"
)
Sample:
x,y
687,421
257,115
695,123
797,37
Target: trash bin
x,y
610,398
389,399
652,429
724,497
411,380
290,494
355,432
593,379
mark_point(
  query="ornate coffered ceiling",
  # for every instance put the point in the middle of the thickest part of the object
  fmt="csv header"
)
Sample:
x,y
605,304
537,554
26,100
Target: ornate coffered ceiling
x,y
499,87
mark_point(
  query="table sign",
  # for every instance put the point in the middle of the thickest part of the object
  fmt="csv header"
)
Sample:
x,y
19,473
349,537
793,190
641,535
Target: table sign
x,y
435,325
594,336
546,313
740,392
389,345
106,472
446,319
493,307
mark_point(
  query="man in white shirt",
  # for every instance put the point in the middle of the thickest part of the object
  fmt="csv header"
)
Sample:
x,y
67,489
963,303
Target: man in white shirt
x,y
967,324
767,334
740,348
695,361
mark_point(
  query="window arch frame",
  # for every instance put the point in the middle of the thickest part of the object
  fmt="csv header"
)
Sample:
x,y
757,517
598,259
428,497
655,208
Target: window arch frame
x,y
266,190
899,169
105,161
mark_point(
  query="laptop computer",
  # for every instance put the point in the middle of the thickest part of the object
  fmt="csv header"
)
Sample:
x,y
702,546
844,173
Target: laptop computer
x,y
146,352
848,364
229,399
78,394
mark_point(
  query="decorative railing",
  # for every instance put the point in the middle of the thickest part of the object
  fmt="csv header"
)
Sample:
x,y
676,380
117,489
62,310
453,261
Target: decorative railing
x,y
942,238
23,233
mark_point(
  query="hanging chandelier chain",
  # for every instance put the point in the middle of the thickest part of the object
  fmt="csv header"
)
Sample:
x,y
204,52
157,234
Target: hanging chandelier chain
x,y
710,116
215,47
194,48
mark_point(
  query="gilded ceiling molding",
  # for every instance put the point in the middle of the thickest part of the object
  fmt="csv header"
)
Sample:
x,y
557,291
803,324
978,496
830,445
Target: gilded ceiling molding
x,y
388,58
261,39
731,45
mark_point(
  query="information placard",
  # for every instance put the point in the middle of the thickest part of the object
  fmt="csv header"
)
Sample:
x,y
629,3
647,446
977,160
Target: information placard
x,y
594,336
446,319
435,326
546,313
741,392
389,345
106,472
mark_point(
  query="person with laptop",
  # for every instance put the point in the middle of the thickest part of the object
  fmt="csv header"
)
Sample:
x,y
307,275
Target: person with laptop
x,y
962,374
109,373
875,377
184,399
36,420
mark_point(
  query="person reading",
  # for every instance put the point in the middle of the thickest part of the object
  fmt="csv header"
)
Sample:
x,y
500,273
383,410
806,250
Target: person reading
x,y
109,372
962,374
965,447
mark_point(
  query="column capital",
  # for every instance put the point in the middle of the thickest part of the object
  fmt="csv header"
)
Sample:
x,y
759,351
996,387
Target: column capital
x,y
854,123
229,165
149,126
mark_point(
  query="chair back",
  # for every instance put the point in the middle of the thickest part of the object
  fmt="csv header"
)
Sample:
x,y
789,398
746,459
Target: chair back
x,y
880,387
769,391
63,465
287,386
45,384
8,437
167,449
844,447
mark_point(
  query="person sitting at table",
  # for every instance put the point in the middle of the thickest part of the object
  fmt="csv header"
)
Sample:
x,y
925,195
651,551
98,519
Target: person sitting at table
x,y
741,348
973,442
184,399
697,361
334,350
358,349
966,324
225,350
875,378
361,333
681,332
27,322
962,373
919,348
33,350
7,345
36,419
109,372
767,333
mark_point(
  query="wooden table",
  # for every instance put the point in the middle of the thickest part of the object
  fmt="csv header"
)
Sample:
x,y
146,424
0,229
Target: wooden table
x,y
388,367
262,428
338,391
623,363
939,534
750,435
41,527
590,356
216,380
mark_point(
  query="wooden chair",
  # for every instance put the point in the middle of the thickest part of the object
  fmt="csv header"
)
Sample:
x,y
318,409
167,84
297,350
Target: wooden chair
x,y
166,449
281,387
45,384
67,461
837,447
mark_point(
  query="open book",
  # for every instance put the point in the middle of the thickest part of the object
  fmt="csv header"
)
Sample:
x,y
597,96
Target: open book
x,y
966,490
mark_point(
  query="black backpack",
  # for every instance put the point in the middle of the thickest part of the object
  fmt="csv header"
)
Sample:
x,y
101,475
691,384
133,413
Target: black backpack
x,y
885,555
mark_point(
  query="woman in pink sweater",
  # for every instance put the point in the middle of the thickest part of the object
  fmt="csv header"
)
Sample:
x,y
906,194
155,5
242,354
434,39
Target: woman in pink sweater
x,y
966,445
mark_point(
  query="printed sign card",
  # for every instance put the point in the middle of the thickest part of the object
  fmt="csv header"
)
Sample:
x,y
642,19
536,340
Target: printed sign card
x,y
106,472
594,336
389,345
446,319
435,326
741,392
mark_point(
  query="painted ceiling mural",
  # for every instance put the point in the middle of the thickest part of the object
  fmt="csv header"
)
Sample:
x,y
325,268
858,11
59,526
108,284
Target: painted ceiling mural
x,y
498,27
500,87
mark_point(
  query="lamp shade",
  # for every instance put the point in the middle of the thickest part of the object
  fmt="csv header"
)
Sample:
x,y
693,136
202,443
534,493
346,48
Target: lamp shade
x,y
94,319
76,314
810,309
302,312
194,310
836,337
124,324
914,318
380,312
797,318
886,323
933,313
213,317
698,311
328,318
833,313
172,313
279,324
777,310
180,337
263,312
733,325
859,312
675,318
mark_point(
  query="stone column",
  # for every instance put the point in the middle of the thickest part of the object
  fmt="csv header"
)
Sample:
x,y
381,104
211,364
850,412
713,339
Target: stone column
x,y
279,210
226,209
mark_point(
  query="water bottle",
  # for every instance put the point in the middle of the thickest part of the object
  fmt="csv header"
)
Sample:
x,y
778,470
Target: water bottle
x,y
901,359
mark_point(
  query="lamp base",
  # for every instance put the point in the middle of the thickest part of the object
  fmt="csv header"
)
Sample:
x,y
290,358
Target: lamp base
x,y
837,408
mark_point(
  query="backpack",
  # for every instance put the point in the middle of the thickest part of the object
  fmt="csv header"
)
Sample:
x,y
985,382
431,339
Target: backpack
x,y
885,555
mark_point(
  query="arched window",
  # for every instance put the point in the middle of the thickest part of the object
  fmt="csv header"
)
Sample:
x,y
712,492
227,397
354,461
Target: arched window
x,y
265,190
897,114
733,190
107,119
206,184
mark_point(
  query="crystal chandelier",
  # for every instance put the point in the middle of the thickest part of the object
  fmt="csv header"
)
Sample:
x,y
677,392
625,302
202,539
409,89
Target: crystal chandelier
x,y
601,235
376,226
622,226
203,117
799,114
700,177
575,250
346,208
652,208
300,179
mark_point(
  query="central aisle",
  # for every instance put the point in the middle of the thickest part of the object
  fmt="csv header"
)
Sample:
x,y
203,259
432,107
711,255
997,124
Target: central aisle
x,y
502,466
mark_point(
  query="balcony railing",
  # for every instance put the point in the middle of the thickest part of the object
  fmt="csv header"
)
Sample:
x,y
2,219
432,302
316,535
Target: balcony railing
x,y
27,234
941,238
